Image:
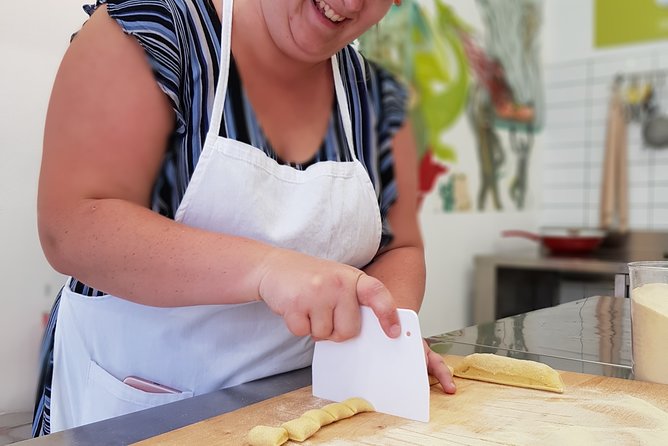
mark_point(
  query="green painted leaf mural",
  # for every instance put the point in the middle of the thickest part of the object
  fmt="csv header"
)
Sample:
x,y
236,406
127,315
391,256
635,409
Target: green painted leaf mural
x,y
438,75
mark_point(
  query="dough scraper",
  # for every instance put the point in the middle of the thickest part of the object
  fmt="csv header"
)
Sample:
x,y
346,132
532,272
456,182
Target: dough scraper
x,y
389,373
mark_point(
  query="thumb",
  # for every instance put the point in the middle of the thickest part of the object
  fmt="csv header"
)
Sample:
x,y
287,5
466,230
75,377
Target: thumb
x,y
372,293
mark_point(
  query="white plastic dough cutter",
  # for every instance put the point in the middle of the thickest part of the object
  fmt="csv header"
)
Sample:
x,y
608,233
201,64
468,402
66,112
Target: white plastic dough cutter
x,y
389,373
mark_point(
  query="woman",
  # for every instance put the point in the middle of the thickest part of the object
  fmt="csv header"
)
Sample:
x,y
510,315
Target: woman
x,y
219,199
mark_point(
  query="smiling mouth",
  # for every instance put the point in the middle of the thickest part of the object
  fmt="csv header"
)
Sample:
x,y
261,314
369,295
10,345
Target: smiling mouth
x,y
328,12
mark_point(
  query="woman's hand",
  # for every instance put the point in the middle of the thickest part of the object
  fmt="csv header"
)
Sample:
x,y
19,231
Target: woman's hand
x,y
437,368
321,298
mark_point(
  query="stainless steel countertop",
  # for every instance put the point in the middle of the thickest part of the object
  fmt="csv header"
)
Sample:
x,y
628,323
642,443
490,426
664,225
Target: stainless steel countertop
x,y
148,423
589,336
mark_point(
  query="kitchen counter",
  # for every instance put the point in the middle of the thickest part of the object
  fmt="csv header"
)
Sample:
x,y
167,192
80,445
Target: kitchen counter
x,y
530,276
589,336
487,274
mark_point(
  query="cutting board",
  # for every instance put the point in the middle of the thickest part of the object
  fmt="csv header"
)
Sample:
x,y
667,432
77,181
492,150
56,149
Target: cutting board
x,y
592,410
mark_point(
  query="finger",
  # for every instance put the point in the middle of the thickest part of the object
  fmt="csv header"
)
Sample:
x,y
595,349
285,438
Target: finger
x,y
298,323
372,292
347,320
322,323
436,367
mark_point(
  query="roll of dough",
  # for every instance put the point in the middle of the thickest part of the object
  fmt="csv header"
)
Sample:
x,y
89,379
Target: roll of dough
x,y
308,424
510,371
267,436
301,428
358,405
323,418
339,411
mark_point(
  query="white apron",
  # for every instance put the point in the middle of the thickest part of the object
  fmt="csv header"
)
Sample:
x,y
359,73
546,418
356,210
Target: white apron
x,y
329,210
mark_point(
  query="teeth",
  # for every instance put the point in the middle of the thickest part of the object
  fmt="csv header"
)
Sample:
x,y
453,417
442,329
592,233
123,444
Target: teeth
x,y
329,12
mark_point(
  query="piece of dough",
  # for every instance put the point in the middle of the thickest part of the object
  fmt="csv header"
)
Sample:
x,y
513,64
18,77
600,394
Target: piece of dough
x,y
308,424
267,436
323,418
301,428
510,371
339,411
358,405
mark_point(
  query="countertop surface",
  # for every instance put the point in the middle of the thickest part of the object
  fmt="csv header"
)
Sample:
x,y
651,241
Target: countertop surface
x,y
591,335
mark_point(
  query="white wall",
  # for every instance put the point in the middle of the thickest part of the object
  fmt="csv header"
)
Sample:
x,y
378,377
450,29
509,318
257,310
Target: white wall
x,y
578,81
33,38
569,34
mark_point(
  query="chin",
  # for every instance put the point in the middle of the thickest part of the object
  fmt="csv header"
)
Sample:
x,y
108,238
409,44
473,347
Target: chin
x,y
308,52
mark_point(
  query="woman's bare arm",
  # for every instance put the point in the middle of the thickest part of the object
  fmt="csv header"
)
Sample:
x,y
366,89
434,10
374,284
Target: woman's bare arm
x,y
106,131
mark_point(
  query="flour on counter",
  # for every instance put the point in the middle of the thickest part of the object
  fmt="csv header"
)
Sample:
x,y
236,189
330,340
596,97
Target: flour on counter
x,y
508,416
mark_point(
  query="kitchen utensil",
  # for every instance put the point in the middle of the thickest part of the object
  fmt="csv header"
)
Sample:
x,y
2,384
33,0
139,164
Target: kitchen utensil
x,y
613,210
563,240
655,131
389,373
522,148
655,121
596,408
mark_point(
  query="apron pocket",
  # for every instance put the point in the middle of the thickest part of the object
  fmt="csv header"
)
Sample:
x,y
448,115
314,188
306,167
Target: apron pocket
x,y
106,397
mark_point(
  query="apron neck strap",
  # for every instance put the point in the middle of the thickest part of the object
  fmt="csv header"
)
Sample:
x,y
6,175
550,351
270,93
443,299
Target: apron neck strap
x,y
224,74
342,100
224,69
